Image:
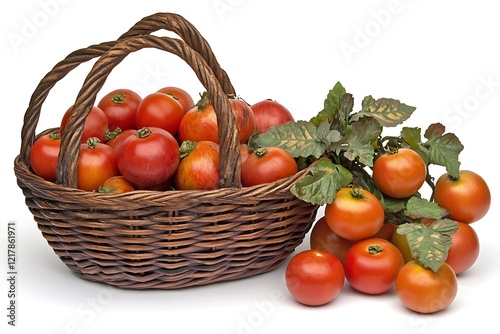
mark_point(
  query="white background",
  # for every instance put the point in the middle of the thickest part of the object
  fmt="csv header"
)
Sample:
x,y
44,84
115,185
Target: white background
x,y
442,57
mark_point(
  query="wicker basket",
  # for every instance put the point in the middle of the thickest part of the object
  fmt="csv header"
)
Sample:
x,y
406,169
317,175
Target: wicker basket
x,y
159,239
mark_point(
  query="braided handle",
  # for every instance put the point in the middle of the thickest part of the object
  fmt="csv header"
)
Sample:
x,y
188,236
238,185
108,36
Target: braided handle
x,y
229,159
147,25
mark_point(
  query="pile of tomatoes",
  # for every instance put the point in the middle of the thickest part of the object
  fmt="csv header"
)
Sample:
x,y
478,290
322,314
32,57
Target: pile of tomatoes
x,y
354,243
163,141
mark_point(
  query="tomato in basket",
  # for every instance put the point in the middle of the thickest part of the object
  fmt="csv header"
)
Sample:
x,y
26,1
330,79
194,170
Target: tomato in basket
x,y
199,166
149,158
120,106
44,155
182,96
267,164
200,123
160,110
96,124
97,162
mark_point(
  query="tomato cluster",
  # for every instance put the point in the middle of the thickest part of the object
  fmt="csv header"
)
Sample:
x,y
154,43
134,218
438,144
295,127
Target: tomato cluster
x,y
374,258
163,141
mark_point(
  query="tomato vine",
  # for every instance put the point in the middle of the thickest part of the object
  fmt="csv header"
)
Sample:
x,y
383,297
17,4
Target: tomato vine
x,y
339,146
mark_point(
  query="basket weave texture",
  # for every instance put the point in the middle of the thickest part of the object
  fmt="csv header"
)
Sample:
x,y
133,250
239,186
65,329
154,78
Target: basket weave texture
x,y
159,239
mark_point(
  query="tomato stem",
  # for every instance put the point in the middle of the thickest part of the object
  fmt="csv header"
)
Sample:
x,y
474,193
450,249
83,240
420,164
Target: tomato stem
x,y
144,132
357,193
56,135
260,152
118,98
186,148
203,102
375,249
113,134
92,142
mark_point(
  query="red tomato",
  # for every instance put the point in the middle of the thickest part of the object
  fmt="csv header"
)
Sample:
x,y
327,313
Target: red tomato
x,y
96,124
149,158
355,214
160,110
270,113
314,277
44,155
200,123
372,265
425,291
267,164
467,198
323,238
464,249
116,185
120,106
399,174
386,231
96,164
180,95
199,166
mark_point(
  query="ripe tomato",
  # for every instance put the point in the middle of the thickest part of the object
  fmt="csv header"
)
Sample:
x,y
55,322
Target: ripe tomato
x,y
159,110
120,106
96,164
270,113
355,214
372,265
467,198
199,166
180,95
314,277
399,174
116,185
323,238
95,125
464,249
44,155
425,291
267,164
200,123
149,158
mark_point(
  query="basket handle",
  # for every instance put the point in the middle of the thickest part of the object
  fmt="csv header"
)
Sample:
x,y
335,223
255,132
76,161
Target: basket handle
x,y
147,25
183,28
229,156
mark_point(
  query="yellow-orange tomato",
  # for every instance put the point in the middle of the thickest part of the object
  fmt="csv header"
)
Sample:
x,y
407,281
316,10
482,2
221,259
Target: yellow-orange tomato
x,y
116,185
468,198
425,291
399,174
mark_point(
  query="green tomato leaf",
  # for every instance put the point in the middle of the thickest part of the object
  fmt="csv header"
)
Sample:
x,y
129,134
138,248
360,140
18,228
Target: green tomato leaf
x,y
417,208
429,245
444,148
300,139
323,182
359,136
413,137
331,105
389,112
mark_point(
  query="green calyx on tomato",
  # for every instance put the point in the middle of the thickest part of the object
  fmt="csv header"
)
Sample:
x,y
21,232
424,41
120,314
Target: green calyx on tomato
x,y
203,102
92,142
375,249
143,132
118,98
186,148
